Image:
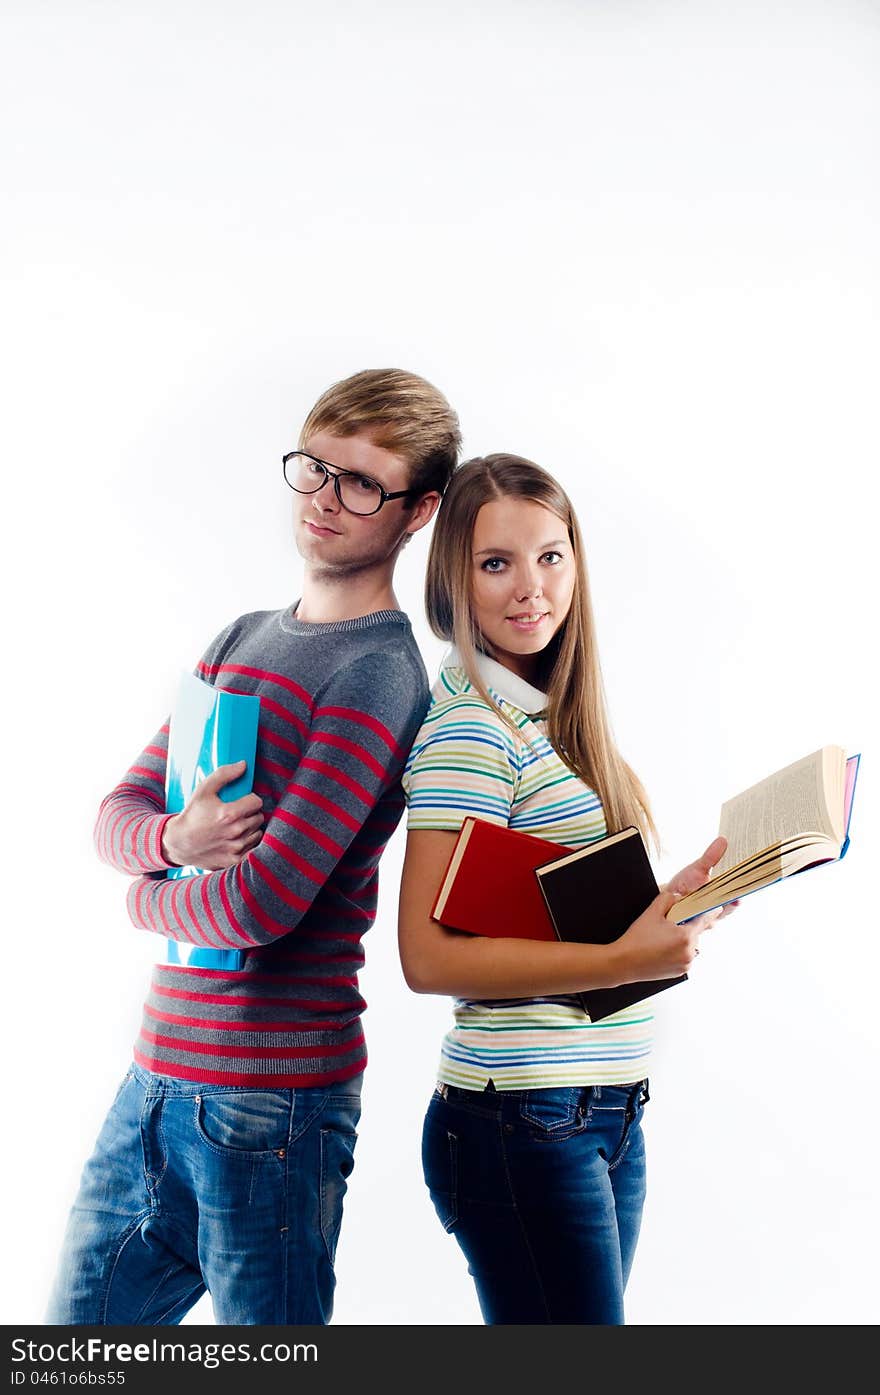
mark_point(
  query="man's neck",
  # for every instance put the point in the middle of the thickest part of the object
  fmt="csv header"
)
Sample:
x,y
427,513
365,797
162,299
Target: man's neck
x,y
326,599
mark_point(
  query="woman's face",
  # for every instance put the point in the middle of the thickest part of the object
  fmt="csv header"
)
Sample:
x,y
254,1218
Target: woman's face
x,y
522,580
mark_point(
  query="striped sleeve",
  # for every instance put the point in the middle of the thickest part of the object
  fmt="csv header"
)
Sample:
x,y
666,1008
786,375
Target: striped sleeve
x,y
463,762
355,749
128,831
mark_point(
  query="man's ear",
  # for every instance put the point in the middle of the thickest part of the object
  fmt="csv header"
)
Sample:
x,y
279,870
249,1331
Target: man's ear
x,y
423,511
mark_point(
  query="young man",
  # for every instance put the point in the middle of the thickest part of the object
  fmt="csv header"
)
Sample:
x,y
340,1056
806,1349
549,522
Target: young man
x,y
222,1164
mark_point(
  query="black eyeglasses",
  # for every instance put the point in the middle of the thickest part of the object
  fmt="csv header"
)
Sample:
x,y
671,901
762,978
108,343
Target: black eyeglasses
x,y
357,493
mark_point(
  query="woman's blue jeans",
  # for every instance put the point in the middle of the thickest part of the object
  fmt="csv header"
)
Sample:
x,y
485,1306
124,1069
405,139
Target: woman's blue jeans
x,y
543,1190
192,1187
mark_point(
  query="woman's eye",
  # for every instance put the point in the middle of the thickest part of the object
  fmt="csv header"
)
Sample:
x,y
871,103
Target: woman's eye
x,y
492,564
556,556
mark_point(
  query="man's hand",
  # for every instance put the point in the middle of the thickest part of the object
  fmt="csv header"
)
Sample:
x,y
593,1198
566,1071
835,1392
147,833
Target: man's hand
x,y
696,874
209,833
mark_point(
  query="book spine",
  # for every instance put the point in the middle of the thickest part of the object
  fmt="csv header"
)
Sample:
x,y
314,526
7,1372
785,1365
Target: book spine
x,y
852,775
231,725
235,738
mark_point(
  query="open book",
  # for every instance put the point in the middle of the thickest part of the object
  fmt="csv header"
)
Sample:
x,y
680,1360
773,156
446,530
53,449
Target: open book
x,y
788,822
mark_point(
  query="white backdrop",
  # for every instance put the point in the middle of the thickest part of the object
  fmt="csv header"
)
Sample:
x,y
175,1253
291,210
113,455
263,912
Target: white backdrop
x,y
636,242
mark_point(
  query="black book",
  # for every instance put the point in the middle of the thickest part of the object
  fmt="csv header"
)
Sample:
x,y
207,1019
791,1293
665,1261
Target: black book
x,y
593,896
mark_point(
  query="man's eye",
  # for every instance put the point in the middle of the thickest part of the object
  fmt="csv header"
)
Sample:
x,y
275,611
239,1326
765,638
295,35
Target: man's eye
x,y
364,485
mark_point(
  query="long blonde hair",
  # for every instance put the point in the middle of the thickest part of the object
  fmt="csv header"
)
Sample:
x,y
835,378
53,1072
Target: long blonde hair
x,y
577,720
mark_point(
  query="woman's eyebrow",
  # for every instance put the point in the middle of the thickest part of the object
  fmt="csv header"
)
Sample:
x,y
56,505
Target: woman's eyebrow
x,y
505,551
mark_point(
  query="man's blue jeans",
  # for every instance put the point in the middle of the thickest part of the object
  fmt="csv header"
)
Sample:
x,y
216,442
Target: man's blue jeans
x,y
192,1187
543,1190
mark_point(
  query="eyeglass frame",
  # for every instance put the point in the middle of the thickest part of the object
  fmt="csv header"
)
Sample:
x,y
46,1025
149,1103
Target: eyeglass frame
x,y
334,473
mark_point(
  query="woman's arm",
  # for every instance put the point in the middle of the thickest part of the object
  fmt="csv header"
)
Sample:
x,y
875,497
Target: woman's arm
x,y
437,960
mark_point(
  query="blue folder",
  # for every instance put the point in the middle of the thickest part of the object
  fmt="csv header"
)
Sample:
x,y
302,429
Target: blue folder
x,y
210,727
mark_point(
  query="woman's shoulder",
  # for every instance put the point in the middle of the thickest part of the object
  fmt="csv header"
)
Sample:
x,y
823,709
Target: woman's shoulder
x,y
457,707
453,692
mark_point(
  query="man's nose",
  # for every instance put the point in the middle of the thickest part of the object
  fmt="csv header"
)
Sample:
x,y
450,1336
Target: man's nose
x,y
324,497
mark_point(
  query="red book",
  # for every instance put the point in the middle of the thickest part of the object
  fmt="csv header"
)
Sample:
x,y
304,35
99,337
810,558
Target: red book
x,y
490,887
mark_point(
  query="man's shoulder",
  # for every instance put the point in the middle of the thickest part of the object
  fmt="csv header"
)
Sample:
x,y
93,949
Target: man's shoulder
x,y
376,661
382,665
242,629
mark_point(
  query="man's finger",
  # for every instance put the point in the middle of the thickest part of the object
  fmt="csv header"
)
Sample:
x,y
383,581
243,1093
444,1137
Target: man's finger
x,y
223,775
246,806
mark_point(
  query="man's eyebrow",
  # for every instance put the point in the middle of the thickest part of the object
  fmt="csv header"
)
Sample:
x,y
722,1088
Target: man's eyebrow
x,y
505,551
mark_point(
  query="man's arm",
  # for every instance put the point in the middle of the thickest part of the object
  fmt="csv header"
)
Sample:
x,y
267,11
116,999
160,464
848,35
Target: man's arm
x,y
356,746
132,818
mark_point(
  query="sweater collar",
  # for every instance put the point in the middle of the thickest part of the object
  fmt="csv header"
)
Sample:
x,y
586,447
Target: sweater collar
x,y
288,621
507,685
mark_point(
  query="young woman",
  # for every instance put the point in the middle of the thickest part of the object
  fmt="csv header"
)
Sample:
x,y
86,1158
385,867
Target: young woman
x,y
532,1148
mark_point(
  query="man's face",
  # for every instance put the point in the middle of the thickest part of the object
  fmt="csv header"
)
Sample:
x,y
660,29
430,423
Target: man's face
x,y
331,539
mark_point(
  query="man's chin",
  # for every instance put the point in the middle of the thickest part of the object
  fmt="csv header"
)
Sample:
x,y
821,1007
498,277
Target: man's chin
x,y
324,561
314,545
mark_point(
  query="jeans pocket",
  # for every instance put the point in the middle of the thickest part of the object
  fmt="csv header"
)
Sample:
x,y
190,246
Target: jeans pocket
x,y
630,1131
244,1123
440,1163
337,1162
552,1115
122,1084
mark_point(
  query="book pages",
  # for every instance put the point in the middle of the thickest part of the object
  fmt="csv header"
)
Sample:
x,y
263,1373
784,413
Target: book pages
x,y
783,806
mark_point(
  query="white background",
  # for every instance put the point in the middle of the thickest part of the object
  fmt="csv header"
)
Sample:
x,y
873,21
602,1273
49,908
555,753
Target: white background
x,y
636,242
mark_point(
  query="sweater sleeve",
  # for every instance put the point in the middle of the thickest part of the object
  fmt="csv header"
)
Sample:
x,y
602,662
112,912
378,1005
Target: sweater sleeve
x,y
362,723
128,830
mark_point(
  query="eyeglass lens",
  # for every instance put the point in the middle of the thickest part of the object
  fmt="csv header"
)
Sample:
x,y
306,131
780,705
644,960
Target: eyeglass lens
x,y
357,493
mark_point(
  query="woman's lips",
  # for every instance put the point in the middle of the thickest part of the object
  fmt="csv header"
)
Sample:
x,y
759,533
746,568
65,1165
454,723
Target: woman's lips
x,y
529,621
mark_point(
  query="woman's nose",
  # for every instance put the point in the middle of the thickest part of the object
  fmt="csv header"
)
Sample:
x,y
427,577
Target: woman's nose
x,y
528,584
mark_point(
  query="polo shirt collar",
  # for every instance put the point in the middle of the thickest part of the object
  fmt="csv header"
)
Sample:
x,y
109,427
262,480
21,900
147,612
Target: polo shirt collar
x,y
507,685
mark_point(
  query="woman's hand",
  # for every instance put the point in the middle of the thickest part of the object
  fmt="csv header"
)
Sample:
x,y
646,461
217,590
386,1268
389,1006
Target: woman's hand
x,y
696,874
654,947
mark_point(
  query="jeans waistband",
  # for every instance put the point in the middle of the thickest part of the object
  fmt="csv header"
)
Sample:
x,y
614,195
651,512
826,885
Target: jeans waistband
x,y
490,1096
155,1084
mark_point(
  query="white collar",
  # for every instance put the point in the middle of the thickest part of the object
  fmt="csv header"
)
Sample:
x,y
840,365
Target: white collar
x,y
500,679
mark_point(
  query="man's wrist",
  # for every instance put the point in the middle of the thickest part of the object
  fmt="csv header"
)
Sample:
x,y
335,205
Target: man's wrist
x,y
166,842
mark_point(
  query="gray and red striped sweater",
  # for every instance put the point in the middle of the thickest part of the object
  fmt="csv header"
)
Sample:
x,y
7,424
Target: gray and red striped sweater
x,y
340,705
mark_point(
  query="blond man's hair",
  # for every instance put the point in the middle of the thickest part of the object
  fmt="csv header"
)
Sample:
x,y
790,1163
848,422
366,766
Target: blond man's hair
x,y
398,411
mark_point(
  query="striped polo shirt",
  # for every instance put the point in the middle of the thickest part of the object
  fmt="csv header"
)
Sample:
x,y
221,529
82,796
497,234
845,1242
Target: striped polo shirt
x,y
466,761
340,703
